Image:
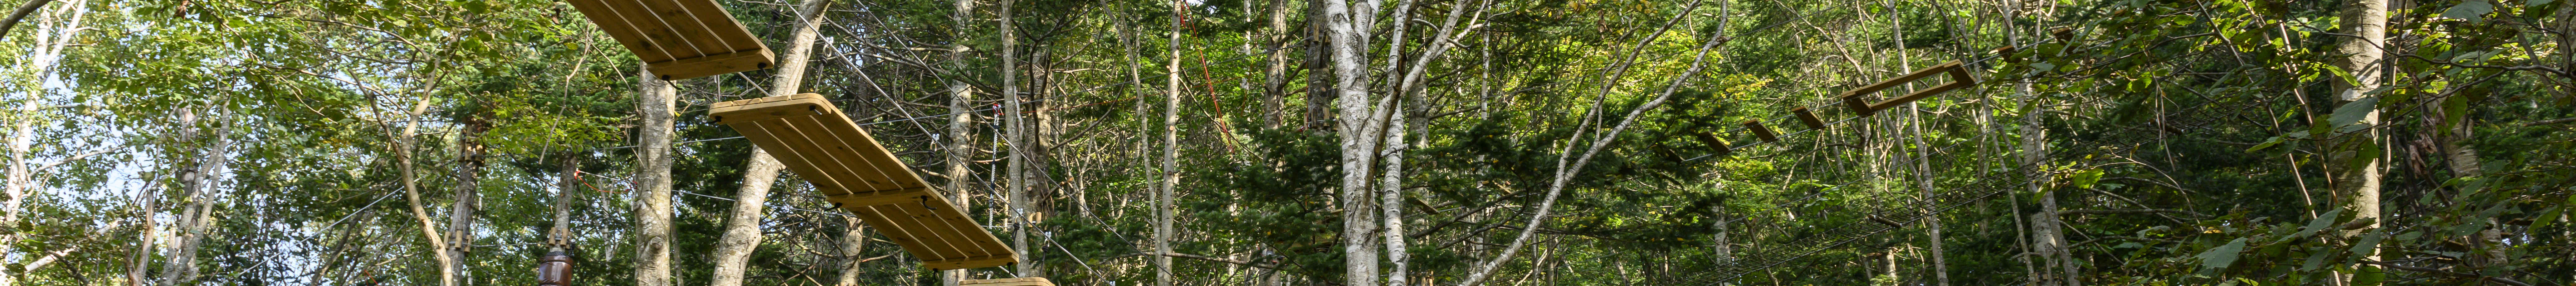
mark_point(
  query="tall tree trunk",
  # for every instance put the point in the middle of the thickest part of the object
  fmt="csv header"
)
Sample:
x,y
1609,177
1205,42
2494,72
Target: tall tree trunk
x,y
1275,76
1347,32
404,154
460,213
196,180
1922,167
2045,228
961,127
854,238
2354,160
1016,172
1318,61
760,172
1391,200
1171,150
653,179
559,235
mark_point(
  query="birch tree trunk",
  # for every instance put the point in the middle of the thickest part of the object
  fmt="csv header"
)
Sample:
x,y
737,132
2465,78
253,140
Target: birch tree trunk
x,y
52,36
1016,172
1347,33
559,235
961,127
653,180
742,225
195,181
854,238
2045,228
460,213
1171,151
2355,160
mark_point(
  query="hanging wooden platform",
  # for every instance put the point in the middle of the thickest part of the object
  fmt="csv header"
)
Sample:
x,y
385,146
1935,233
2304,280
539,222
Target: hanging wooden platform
x,y
1958,79
1023,281
818,143
679,39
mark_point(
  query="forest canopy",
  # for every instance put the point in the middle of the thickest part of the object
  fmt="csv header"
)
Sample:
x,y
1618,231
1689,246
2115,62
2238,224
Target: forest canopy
x,y
1313,142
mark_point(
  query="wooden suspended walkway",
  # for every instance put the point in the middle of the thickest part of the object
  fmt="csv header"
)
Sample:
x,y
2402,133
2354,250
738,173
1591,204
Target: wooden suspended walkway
x,y
1026,281
679,39
814,140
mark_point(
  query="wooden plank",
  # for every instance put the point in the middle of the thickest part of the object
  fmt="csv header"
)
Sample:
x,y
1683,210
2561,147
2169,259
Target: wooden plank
x,y
1853,100
1809,118
819,163
722,25
696,34
1714,145
894,232
1958,79
892,168
617,27
858,174
793,158
1023,281
703,66
1761,132
1857,106
1909,77
982,242
874,198
679,39
929,243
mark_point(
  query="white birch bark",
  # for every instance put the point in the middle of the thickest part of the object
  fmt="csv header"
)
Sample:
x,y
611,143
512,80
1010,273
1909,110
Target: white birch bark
x,y
653,181
742,225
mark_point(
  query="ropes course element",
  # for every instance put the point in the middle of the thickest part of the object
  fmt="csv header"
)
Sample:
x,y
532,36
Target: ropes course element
x,y
854,172
679,39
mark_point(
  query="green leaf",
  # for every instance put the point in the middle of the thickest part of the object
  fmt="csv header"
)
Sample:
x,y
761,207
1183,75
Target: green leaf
x,y
2322,222
2539,3
2219,258
2353,112
2369,245
2473,11
2276,140
2550,213
2315,259
2369,276
2086,178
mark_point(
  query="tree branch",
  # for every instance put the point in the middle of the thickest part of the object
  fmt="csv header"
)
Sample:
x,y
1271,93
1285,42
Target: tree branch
x,y
2135,211
21,14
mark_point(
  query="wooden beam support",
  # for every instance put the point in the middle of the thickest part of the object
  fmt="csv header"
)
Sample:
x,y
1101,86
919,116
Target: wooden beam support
x,y
1714,145
1958,79
1809,118
1761,132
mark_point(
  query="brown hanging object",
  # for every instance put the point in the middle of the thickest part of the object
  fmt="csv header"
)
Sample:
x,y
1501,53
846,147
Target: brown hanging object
x,y
555,269
1958,79
1714,145
1761,132
1808,117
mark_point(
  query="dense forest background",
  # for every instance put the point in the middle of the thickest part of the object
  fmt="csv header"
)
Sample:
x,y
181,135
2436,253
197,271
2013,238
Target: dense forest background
x,y
1310,142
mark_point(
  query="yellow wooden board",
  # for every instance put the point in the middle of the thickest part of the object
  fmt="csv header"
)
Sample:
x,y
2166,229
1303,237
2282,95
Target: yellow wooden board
x,y
1023,281
679,39
816,142
1958,79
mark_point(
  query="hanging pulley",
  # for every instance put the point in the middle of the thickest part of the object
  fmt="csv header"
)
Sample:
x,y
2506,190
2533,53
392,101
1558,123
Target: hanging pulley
x,y
554,269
